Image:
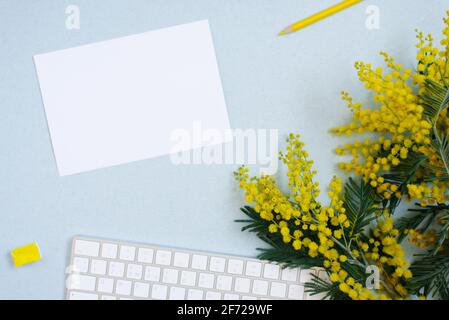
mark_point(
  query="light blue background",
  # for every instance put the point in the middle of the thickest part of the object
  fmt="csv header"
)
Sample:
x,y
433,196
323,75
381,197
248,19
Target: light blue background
x,y
290,83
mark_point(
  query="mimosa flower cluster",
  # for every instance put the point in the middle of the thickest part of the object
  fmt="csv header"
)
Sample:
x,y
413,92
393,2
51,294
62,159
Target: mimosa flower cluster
x,y
326,232
403,128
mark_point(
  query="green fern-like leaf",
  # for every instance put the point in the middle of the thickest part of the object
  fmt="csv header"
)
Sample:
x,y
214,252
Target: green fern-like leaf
x,y
405,172
442,237
254,223
289,257
325,289
259,226
423,218
441,144
431,275
359,201
279,252
435,99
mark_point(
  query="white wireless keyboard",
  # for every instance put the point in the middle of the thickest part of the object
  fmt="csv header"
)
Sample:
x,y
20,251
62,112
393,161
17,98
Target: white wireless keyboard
x,y
103,269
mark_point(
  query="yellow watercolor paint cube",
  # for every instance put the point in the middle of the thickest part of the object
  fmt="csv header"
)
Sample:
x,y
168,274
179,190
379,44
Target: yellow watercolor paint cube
x,y
26,254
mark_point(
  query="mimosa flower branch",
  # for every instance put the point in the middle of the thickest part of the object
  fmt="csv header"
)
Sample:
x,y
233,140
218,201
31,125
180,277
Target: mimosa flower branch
x,y
407,160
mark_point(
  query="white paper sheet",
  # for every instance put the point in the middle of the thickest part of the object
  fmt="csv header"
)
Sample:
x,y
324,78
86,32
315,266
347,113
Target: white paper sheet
x,y
120,100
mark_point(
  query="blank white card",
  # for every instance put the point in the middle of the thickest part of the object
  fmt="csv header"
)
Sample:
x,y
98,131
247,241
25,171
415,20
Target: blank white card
x,y
120,100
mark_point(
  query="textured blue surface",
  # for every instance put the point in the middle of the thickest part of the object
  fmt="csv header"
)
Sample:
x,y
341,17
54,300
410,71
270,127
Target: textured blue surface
x,y
288,83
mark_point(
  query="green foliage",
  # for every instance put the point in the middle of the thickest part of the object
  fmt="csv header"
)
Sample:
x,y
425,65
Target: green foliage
x,y
325,289
289,258
423,219
401,175
441,144
254,223
435,99
431,276
430,270
359,200
279,251
405,172
442,237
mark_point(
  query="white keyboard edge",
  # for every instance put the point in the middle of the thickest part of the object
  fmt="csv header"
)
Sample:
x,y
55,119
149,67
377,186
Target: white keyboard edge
x,y
174,250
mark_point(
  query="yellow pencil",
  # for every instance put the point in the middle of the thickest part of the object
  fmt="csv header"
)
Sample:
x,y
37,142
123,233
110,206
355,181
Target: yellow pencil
x,y
319,16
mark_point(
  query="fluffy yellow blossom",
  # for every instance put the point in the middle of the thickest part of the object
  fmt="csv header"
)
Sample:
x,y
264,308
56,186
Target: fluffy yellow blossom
x,y
422,240
399,123
323,232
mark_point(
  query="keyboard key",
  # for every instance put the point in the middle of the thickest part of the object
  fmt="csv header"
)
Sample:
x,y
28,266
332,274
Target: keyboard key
x,y
211,295
82,282
271,271
109,250
87,248
260,287
163,257
206,280
177,293
289,274
73,295
242,285
141,290
295,292
127,253
123,287
306,275
107,297
224,283
231,296
188,278
105,285
181,260
170,276
278,290
159,291
145,255
217,264
98,267
80,264
194,294
152,273
122,298
249,298
235,266
134,271
253,269
116,269
199,262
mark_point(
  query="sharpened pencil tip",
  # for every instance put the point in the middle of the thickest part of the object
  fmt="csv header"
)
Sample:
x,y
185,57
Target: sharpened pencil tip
x,y
284,32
